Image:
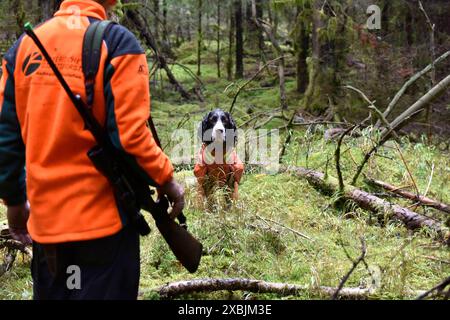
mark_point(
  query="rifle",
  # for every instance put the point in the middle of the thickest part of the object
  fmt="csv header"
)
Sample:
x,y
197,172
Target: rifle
x,y
131,191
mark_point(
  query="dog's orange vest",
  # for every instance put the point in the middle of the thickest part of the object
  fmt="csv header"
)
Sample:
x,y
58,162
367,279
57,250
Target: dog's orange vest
x,y
70,200
206,166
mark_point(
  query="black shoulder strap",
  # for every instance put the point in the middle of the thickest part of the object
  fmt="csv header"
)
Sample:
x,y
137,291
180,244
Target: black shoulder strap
x,y
92,48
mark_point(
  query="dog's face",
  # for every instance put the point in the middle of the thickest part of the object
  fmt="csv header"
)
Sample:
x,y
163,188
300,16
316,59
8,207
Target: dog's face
x,y
218,126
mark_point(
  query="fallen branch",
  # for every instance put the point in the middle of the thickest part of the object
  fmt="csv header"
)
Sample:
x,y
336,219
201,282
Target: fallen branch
x,y
410,219
257,286
409,195
420,104
436,259
438,289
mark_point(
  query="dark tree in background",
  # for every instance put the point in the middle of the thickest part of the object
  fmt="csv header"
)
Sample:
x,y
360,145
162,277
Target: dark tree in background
x,y
218,59
309,49
156,19
239,39
231,38
199,37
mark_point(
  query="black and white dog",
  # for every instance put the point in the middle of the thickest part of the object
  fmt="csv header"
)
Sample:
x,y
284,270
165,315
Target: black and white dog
x,y
218,164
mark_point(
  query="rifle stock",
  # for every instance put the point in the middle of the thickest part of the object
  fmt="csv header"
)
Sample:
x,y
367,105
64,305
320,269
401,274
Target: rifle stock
x,y
184,246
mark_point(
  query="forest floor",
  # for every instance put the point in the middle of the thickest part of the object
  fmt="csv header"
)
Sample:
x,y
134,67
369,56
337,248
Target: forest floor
x,y
240,244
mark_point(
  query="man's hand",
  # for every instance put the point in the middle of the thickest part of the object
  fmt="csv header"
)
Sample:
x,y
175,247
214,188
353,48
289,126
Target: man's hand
x,y
17,223
175,194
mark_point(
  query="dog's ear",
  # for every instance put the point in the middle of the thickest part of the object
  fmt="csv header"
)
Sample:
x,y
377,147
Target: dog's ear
x,y
231,121
232,126
202,128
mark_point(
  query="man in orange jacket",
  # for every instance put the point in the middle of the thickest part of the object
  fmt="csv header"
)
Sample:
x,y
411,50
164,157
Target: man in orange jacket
x,y
61,201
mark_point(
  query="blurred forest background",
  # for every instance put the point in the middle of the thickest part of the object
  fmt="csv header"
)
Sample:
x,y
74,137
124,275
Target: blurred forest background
x,y
321,45
358,90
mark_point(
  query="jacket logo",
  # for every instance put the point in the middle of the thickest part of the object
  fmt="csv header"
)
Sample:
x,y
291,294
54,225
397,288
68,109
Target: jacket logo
x,y
32,63
142,70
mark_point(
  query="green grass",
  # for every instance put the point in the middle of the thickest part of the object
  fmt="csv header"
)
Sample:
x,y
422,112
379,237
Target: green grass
x,y
239,244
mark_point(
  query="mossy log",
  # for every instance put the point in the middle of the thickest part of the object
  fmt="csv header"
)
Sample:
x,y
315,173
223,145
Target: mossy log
x,y
257,286
367,201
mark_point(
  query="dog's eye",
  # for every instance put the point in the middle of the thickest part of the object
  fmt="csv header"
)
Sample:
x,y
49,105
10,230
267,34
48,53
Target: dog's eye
x,y
214,118
224,119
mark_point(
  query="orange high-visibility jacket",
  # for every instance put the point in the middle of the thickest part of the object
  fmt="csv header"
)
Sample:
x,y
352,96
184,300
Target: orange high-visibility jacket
x,y
41,130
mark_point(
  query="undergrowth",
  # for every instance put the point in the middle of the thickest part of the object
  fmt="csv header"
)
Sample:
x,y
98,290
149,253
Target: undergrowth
x,y
247,242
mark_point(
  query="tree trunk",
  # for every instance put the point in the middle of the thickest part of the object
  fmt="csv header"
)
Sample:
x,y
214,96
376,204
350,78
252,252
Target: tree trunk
x,y
281,63
19,11
259,16
252,30
156,20
44,13
410,219
165,17
189,26
302,55
239,40
315,60
219,12
199,38
231,28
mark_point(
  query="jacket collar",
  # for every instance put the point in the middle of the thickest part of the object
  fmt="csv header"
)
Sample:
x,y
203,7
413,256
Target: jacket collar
x,y
87,8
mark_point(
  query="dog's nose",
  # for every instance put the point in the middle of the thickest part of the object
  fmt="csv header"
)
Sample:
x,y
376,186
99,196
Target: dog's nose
x,y
219,130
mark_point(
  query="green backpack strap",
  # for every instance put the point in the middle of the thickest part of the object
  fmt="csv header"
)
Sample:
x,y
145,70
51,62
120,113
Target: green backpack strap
x,y
92,49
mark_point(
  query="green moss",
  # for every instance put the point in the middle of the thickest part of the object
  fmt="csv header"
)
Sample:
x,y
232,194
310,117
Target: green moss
x,y
239,244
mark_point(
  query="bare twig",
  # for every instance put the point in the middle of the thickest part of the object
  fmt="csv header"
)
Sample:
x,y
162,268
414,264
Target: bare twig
x,y
286,227
250,80
438,289
413,181
337,157
411,196
355,264
363,95
429,182
382,141
411,81
420,104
